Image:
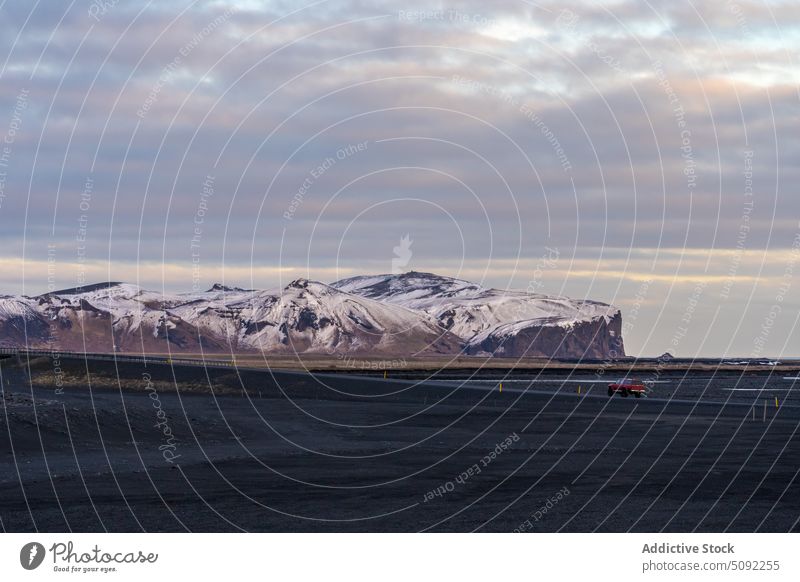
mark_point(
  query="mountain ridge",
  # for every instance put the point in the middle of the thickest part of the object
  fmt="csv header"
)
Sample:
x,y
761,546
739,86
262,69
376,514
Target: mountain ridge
x,y
405,314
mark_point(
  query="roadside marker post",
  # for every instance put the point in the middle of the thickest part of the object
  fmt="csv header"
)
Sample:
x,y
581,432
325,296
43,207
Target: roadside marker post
x,y
501,386
765,411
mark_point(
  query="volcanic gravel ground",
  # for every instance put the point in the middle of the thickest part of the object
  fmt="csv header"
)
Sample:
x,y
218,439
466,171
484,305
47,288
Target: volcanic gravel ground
x,y
297,452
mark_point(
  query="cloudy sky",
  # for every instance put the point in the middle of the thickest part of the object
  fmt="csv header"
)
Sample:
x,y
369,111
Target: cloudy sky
x,y
641,153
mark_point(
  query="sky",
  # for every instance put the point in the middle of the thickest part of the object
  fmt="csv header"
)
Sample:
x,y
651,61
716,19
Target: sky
x,y
640,153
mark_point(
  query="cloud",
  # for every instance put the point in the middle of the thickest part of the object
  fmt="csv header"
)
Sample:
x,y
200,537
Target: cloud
x,y
492,130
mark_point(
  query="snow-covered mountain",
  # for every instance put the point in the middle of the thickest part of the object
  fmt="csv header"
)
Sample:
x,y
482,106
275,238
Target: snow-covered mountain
x,y
312,317
303,317
410,314
501,322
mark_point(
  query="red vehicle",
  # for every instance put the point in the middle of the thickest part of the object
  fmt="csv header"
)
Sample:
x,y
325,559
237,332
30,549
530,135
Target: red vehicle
x,y
627,386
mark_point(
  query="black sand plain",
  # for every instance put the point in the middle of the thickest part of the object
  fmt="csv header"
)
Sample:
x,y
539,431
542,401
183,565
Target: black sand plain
x,y
254,450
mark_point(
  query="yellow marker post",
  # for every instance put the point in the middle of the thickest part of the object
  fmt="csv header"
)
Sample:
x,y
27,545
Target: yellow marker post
x,y
385,373
776,402
579,388
501,386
